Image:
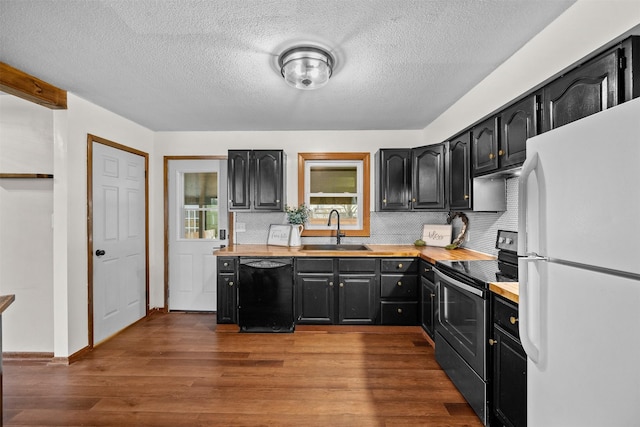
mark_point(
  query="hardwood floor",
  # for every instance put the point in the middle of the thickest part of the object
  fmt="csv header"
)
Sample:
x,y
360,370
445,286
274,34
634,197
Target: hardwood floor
x,y
176,370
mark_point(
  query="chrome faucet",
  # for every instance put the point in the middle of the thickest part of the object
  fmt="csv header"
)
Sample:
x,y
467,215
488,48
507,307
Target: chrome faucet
x,y
338,234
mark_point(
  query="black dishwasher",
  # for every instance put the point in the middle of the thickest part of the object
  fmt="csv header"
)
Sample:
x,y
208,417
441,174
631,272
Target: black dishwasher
x,y
265,295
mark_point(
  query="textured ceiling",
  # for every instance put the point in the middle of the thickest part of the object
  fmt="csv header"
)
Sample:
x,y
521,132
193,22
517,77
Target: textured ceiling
x,y
196,65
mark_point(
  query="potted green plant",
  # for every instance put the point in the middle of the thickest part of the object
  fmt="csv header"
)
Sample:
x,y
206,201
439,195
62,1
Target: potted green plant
x,y
297,217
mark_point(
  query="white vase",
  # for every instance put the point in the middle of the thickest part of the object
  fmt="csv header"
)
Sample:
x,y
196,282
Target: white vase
x,y
296,231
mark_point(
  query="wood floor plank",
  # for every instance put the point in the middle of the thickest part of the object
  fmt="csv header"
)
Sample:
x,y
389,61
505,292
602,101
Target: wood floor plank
x,y
174,369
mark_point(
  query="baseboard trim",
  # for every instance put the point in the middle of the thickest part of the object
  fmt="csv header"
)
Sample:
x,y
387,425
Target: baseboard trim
x,y
27,356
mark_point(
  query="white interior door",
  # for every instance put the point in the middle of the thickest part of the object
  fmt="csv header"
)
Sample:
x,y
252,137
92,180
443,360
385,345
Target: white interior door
x,y
119,261
197,226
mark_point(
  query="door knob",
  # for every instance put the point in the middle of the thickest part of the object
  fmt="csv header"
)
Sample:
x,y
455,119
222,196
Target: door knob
x,y
100,252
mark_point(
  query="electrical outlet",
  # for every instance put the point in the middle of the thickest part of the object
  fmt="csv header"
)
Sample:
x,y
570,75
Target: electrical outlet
x,y
241,227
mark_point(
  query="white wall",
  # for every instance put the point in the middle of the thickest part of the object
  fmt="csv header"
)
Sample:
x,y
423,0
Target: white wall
x,y
584,28
70,211
26,236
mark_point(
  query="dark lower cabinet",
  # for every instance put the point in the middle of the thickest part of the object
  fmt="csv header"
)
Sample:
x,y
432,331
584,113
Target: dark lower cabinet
x,y
315,298
337,291
509,378
398,291
428,298
357,299
227,296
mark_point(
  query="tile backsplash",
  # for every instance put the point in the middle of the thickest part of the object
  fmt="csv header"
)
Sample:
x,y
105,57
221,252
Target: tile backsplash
x,y
401,227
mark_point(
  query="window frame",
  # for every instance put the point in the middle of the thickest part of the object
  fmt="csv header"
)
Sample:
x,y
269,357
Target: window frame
x,y
366,189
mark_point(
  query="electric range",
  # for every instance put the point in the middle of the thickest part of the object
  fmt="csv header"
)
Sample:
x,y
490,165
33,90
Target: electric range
x,y
482,272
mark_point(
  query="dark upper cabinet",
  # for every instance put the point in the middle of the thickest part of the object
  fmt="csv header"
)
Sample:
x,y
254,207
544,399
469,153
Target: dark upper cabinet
x,y
500,142
238,171
588,89
256,180
411,179
518,123
484,146
428,177
393,174
460,172
631,64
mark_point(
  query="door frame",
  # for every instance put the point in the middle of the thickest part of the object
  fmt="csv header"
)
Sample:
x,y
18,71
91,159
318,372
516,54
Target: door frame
x,y
90,140
166,160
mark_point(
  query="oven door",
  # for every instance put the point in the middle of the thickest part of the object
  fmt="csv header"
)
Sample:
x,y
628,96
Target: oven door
x,y
462,320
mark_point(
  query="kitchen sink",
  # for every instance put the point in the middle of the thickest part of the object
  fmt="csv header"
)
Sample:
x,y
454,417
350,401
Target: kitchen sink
x,y
333,247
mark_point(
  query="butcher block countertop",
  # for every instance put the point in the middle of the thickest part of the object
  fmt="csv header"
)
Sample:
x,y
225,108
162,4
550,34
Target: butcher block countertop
x,y
509,290
428,253
5,301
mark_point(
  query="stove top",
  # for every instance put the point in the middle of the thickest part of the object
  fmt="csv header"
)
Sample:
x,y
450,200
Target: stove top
x,y
482,272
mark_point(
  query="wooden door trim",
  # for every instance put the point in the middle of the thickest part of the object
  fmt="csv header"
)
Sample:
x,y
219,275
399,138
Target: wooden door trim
x,y
165,196
90,140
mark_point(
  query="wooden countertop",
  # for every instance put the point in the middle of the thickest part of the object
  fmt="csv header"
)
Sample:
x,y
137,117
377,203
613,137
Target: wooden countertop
x,y
509,290
5,301
428,253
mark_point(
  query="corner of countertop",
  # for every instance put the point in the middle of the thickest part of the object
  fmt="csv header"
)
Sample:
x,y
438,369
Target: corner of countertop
x,y
6,301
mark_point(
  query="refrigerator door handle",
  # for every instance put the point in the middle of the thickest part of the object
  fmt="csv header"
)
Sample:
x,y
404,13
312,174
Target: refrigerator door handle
x,y
524,310
530,164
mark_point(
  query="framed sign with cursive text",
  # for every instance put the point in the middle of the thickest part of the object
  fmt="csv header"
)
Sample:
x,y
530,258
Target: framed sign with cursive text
x,y
436,234
279,235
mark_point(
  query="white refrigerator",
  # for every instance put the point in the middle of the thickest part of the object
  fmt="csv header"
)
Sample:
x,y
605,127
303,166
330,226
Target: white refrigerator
x,y
579,236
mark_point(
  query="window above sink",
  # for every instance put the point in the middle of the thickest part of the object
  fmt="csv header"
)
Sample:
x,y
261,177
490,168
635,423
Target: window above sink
x,y
338,181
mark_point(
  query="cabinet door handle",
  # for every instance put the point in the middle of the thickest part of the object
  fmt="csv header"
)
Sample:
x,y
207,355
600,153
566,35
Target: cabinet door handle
x,y
492,156
466,197
501,152
399,283
226,264
399,311
433,296
230,283
384,201
513,320
427,269
400,265
341,285
492,341
331,284
413,200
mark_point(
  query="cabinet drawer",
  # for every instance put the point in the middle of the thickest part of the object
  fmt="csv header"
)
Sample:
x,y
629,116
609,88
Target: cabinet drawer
x,y
314,265
226,280
399,265
399,286
505,314
367,265
399,313
226,265
426,269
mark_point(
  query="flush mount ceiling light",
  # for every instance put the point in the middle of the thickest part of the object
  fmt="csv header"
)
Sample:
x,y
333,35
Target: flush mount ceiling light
x,y
306,67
